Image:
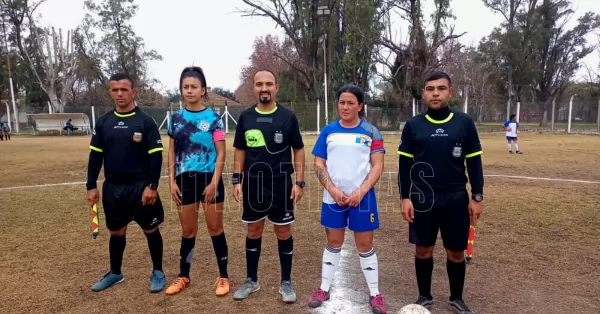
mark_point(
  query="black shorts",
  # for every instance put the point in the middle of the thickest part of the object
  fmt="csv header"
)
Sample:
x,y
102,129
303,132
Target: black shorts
x,y
448,213
192,185
122,204
268,198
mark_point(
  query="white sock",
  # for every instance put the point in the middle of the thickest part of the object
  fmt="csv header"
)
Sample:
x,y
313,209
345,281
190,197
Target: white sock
x,y
517,146
331,262
370,267
509,146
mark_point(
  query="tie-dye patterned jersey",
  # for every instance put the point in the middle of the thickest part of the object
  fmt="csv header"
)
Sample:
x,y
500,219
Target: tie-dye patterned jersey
x,y
195,134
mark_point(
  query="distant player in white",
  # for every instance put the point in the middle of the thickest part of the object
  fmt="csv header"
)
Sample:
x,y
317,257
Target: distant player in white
x,y
349,161
512,129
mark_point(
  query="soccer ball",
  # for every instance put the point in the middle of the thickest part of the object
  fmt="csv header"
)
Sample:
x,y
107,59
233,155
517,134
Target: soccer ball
x,y
414,309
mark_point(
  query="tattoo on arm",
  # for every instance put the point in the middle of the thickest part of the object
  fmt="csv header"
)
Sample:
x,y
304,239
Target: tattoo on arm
x,y
323,177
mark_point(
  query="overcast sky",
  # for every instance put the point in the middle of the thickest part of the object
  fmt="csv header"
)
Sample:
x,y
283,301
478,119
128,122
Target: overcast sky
x,y
213,35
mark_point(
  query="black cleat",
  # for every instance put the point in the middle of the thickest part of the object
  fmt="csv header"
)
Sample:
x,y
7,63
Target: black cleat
x,y
459,307
424,302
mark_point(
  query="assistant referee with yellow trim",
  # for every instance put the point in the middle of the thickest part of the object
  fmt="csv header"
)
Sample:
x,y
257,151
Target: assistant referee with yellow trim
x,y
432,180
128,142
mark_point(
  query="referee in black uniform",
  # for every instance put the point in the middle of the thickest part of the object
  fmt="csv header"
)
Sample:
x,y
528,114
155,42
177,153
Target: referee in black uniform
x,y
432,181
266,136
128,142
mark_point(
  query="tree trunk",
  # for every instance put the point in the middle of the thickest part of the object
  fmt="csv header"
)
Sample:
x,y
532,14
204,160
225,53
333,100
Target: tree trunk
x,y
57,105
598,116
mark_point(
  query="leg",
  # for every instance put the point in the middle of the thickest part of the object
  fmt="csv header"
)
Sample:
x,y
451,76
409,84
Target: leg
x,y
149,218
117,218
423,233
455,235
509,146
516,141
213,214
188,218
364,220
335,220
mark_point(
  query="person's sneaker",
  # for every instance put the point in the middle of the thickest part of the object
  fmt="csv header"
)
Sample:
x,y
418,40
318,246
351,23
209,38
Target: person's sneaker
x,y
286,289
222,285
178,286
519,152
158,281
510,152
424,302
377,304
246,289
459,307
317,298
108,280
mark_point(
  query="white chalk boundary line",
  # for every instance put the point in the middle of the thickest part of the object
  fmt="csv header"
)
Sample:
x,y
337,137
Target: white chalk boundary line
x,y
22,187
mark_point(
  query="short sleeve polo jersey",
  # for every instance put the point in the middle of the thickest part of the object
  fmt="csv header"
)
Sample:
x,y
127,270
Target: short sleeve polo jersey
x,y
439,149
268,139
195,134
348,154
126,141
513,127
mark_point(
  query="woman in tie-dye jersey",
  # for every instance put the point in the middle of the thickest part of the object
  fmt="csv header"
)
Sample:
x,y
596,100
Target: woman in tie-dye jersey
x,y
196,160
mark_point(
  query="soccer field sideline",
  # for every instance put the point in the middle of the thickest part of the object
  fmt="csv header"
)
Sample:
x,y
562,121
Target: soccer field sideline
x,y
21,187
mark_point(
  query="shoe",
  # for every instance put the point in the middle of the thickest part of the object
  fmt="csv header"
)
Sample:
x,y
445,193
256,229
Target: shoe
x,y
459,307
424,302
222,285
288,295
510,152
377,304
158,281
317,298
178,286
246,289
519,152
108,280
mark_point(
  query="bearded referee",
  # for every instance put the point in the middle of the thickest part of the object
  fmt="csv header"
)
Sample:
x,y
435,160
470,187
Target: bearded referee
x,y
128,142
266,137
433,150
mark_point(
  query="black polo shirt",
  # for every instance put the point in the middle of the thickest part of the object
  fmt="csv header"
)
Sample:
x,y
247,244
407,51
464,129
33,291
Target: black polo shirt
x,y
439,149
268,139
126,141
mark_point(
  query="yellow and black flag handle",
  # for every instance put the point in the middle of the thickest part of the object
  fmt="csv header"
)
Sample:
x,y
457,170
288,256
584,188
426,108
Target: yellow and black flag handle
x,y
95,227
470,244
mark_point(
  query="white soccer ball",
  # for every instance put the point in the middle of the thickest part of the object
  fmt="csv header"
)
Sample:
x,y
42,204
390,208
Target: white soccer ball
x,y
414,309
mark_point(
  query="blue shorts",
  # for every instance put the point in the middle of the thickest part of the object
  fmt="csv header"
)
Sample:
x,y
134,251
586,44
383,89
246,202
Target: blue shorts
x,y
511,138
362,218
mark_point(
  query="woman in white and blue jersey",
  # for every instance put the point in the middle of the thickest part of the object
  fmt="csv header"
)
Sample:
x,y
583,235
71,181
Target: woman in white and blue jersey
x,y
349,162
196,161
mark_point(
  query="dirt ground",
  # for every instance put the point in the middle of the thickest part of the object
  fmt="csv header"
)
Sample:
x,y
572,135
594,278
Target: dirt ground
x,y
536,249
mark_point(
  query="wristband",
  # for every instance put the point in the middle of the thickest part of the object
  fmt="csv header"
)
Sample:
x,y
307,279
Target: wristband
x,y
236,178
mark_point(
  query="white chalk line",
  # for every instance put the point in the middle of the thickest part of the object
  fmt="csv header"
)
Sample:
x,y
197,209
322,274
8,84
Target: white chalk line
x,y
21,187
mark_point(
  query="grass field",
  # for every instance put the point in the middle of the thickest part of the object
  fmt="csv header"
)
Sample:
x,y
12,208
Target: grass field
x,y
536,249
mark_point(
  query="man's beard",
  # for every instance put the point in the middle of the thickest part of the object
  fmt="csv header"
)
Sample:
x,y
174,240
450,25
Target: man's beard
x,y
264,99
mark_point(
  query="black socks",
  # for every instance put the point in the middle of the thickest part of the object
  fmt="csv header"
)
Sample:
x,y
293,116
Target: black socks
x,y
155,246
456,277
186,253
424,270
252,257
221,251
286,250
116,247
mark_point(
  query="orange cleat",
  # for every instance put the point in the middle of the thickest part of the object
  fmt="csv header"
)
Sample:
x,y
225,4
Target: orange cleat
x,y
222,285
178,286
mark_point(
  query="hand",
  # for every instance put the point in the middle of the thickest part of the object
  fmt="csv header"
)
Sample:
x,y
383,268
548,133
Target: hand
x,y
175,193
475,209
340,198
93,196
355,197
237,193
408,211
148,197
210,192
297,193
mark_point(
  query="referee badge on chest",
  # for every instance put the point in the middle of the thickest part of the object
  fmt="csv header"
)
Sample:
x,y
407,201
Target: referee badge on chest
x,y
457,151
137,137
278,137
